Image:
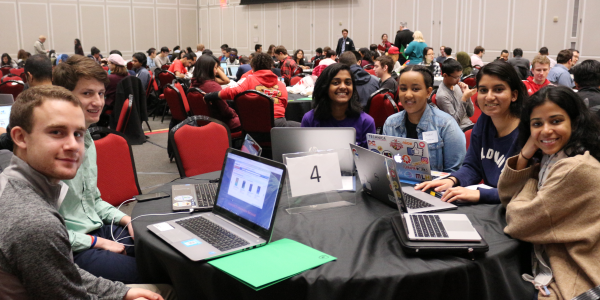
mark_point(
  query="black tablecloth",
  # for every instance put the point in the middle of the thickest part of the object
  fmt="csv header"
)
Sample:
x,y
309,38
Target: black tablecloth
x,y
297,108
370,263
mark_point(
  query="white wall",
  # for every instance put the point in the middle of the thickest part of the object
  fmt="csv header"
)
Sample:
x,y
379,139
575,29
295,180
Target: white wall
x,y
136,25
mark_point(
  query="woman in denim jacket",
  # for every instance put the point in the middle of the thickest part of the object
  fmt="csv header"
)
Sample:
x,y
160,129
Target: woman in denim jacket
x,y
419,120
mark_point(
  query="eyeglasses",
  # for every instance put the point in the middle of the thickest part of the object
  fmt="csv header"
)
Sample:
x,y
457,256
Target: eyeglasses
x,y
457,78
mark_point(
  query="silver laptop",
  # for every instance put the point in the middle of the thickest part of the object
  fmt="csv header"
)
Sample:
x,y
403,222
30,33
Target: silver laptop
x,y
411,156
372,171
7,99
233,70
198,197
251,146
301,139
243,215
6,102
429,227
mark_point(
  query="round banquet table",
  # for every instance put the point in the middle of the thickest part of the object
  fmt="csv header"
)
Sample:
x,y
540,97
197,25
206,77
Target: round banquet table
x,y
370,262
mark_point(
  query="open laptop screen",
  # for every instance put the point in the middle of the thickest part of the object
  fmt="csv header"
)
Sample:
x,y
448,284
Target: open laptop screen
x,y
233,70
249,189
4,115
225,69
250,146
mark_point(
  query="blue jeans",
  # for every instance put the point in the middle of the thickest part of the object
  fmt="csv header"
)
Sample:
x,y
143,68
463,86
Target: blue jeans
x,y
110,265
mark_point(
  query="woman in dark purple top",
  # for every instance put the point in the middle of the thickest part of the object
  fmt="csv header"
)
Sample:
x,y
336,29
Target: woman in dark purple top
x,y
335,104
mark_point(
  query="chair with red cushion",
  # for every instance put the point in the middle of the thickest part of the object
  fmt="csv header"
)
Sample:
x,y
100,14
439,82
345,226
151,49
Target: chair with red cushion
x,y
165,66
200,107
163,78
5,70
125,114
433,99
257,116
17,72
194,154
368,67
470,81
117,177
371,71
105,68
24,77
380,106
129,65
316,63
477,112
12,87
10,76
468,137
177,101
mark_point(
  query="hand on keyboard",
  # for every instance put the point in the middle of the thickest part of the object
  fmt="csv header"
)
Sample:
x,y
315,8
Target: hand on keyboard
x,y
461,193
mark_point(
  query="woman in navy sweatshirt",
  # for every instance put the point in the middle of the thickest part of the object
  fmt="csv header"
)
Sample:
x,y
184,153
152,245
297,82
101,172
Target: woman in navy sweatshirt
x,y
500,95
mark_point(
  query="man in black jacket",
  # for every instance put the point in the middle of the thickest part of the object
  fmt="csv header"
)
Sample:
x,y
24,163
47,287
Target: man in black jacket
x,y
403,37
520,64
344,43
587,81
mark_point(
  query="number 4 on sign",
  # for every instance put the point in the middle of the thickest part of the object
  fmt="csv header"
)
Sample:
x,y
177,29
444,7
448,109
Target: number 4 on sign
x,y
312,176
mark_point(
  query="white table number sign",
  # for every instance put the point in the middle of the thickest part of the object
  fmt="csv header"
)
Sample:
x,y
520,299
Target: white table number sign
x,y
313,174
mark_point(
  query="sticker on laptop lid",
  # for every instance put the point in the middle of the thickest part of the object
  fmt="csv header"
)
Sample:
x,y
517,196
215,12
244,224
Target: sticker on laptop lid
x,y
184,198
163,226
182,204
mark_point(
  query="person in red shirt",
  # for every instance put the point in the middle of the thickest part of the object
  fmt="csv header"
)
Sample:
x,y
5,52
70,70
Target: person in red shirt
x,y
288,65
179,66
265,81
540,66
385,44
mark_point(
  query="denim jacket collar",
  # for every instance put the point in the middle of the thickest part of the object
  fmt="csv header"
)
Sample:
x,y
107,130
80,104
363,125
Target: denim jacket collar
x,y
424,123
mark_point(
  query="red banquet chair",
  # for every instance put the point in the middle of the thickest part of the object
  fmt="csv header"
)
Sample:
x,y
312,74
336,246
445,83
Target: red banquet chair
x,y
380,106
165,66
163,78
5,70
117,177
433,99
468,137
295,80
129,65
193,154
125,114
257,116
10,76
177,101
12,87
477,112
469,80
200,107
17,72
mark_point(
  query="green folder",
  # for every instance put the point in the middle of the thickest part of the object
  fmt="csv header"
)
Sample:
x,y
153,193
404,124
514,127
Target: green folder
x,y
264,266
305,99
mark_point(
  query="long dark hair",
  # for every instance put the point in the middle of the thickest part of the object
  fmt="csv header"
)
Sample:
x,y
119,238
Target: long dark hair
x,y
585,135
204,69
7,56
321,102
506,73
78,48
366,55
296,55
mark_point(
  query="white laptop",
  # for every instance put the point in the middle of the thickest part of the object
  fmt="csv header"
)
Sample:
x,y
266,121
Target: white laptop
x,y
372,171
430,227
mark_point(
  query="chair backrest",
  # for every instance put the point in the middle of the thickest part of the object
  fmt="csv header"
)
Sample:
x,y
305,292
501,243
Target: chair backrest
x,y
177,101
5,70
198,104
129,65
12,87
165,66
199,144
433,99
17,72
380,106
256,113
477,112
371,71
295,80
125,114
468,137
23,77
163,78
470,81
368,67
10,76
117,176
105,68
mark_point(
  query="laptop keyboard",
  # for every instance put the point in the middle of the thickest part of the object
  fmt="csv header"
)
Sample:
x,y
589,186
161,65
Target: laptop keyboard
x,y
428,226
212,233
414,202
206,194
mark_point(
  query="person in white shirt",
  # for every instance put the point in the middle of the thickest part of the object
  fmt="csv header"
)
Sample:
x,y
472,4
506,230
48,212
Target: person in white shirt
x,y
199,49
476,57
544,52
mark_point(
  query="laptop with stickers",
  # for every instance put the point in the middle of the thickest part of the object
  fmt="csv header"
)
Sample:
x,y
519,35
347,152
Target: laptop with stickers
x,y
412,156
243,216
372,171
429,227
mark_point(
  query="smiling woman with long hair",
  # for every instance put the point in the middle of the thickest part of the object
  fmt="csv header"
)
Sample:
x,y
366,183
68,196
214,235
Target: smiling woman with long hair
x,y
550,191
500,95
335,104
